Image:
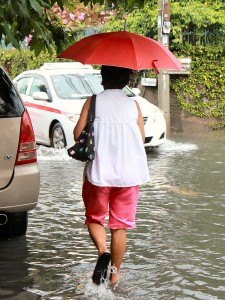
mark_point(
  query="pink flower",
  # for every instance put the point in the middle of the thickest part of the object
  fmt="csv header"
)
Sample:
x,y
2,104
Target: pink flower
x,y
72,16
81,16
63,14
28,39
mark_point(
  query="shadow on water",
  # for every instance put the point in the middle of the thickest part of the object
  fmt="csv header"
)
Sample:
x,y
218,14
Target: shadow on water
x,y
14,274
176,251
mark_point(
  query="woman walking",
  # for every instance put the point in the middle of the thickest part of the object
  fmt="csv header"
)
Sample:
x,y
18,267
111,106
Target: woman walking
x,y
112,179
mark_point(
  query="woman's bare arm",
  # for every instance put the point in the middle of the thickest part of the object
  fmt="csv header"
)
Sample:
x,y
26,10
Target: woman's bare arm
x,y
140,122
82,119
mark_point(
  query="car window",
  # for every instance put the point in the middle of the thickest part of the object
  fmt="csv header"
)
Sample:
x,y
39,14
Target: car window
x,y
73,86
38,85
94,82
10,103
70,86
128,91
22,85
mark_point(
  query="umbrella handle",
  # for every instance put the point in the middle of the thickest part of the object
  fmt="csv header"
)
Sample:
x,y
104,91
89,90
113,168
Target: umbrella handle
x,y
155,67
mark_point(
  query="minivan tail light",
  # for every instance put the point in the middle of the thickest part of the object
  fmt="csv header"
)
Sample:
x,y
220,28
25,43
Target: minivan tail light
x,y
27,147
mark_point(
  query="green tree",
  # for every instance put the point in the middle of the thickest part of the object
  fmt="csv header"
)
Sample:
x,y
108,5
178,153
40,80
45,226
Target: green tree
x,y
20,19
36,21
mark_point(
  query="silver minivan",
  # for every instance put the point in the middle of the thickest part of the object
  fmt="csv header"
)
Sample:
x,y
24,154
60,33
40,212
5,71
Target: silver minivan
x,y
19,172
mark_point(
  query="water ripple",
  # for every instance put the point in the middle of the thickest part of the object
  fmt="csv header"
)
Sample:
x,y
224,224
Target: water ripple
x,y
175,252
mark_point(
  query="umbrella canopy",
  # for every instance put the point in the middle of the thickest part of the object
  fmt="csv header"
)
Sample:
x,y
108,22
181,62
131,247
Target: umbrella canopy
x,y
122,49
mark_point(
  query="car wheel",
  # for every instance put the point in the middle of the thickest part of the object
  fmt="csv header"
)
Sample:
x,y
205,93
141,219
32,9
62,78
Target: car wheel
x,y
13,224
58,140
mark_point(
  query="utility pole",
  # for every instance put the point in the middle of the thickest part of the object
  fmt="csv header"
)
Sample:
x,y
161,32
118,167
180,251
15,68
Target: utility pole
x,y
164,78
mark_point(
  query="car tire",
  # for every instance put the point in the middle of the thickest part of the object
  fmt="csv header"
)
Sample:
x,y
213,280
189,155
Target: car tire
x,y
58,140
15,224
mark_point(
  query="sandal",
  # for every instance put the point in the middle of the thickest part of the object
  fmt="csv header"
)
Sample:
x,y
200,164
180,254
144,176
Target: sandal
x,y
101,268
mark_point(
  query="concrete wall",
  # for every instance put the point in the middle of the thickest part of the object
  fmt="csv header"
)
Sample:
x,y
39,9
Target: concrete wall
x,y
180,121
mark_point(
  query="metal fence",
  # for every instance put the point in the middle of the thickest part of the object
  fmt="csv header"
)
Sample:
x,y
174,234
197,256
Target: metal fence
x,y
198,37
204,37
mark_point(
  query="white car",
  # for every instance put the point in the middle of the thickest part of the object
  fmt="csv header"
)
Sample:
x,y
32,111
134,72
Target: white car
x,y
54,96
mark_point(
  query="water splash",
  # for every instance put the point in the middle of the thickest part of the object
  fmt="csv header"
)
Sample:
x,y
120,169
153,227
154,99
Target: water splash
x,y
172,146
48,153
101,292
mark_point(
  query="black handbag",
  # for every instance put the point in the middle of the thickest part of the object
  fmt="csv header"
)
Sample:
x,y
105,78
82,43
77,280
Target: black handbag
x,y
84,148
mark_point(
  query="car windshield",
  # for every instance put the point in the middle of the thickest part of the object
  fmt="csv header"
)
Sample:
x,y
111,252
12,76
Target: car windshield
x,y
70,86
94,82
74,86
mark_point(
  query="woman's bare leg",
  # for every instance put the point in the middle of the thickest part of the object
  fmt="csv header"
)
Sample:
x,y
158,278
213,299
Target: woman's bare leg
x,y
118,246
98,235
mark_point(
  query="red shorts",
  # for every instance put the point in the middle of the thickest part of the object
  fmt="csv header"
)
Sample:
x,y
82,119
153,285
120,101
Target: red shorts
x,y
118,202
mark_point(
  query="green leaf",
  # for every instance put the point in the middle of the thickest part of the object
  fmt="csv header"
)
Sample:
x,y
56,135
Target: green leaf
x,y
36,6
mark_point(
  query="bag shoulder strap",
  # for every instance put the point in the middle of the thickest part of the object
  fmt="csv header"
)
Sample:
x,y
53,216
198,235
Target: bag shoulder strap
x,y
91,112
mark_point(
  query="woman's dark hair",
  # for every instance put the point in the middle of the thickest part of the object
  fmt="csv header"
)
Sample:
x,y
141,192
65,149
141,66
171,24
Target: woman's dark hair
x,y
115,77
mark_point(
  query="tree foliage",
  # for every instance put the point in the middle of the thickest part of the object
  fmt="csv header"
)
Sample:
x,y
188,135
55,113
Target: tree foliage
x,y
22,18
192,17
50,24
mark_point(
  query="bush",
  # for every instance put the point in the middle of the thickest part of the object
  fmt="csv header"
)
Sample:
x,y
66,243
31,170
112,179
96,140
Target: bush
x,y
16,61
203,92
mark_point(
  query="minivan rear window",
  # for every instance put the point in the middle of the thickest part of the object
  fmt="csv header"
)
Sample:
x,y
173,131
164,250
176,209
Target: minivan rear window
x,y
10,103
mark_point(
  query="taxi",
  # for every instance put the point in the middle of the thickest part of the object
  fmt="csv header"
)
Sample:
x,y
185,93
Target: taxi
x,y
54,96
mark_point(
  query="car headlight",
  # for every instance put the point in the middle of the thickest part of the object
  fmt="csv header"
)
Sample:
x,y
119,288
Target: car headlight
x,y
158,115
73,117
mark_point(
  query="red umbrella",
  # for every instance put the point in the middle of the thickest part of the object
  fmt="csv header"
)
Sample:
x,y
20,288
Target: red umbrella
x,y
122,49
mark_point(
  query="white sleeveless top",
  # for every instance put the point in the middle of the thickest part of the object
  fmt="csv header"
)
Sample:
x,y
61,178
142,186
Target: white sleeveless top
x,y
120,159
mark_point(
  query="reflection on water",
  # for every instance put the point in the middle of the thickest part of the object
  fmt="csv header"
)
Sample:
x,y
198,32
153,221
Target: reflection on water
x,y
176,251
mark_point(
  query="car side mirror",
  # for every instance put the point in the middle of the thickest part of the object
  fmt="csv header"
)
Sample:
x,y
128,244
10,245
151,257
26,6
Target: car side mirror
x,y
40,96
136,91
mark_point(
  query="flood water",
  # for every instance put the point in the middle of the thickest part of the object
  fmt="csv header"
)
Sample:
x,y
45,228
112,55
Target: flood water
x,y
177,250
